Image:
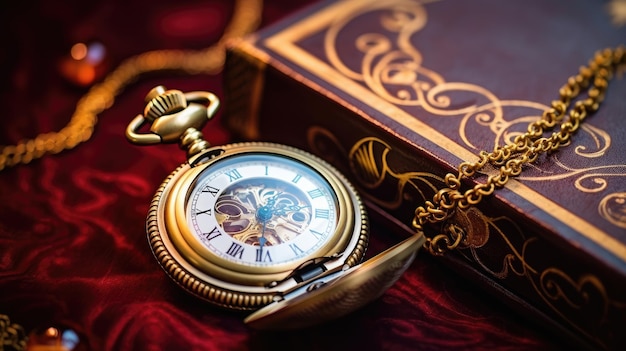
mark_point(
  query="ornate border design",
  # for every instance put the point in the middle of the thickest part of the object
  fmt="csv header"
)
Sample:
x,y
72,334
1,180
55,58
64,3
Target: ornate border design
x,y
392,68
582,300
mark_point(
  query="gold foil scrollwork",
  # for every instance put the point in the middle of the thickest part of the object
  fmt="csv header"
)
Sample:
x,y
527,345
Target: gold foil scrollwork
x,y
368,163
613,209
368,160
579,301
479,229
391,65
584,300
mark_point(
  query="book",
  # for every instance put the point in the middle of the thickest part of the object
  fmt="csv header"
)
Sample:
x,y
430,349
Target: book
x,y
397,93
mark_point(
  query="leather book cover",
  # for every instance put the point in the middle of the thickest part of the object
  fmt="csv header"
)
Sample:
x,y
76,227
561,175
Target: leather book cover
x,y
397,93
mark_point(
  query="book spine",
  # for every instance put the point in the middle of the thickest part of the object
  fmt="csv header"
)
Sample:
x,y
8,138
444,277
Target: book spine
x,y
512,255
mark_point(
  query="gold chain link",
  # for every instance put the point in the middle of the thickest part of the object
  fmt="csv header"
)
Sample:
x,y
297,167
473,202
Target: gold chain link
x,y
246,18
526,148
12,335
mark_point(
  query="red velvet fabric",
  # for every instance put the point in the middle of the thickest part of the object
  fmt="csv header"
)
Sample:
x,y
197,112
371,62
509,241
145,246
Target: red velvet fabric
x,y
73,249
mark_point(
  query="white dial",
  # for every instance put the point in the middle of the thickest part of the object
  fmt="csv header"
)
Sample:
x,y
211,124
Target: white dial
x,y
262,210
245,225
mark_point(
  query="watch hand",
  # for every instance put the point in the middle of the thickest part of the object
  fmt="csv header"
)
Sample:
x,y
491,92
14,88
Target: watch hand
x,y
262,239
282,210
263,215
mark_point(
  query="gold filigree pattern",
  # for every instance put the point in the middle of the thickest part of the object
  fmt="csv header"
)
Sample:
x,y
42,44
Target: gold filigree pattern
x,y
392,67
582,300
368,162
613,209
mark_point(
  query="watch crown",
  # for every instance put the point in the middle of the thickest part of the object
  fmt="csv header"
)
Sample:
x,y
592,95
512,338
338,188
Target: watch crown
x,y
160,102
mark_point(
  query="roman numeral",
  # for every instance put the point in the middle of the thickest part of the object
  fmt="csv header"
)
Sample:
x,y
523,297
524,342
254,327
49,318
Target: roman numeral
x,y
296,249
263,256
211,190
317,234
296,178
235,250
315,193
322,213
208,212
214,233
233,175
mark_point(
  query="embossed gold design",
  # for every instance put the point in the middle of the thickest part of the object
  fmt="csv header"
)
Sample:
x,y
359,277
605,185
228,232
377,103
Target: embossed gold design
x,y
613,209
368,162
580,299
394,71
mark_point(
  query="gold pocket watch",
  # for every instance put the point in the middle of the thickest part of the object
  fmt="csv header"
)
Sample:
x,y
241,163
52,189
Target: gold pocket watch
x,y
260,227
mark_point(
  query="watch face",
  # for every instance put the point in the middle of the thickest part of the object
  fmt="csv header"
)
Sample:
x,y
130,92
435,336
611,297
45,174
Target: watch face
x,y
244,224
261,210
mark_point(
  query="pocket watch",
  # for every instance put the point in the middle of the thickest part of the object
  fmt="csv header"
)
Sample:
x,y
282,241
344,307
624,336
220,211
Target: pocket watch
x,y
257,226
